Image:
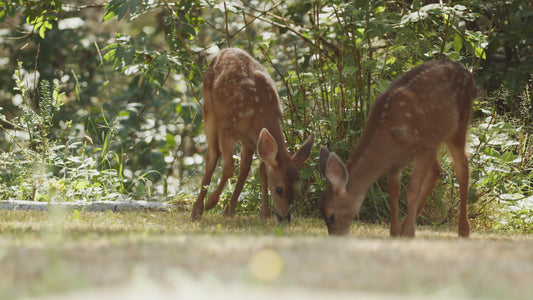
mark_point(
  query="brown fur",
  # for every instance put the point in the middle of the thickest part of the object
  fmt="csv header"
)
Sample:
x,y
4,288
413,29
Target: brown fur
x,y
427,106
241,104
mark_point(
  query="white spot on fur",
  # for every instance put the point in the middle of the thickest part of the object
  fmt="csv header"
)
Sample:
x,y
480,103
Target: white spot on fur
x,y
247,114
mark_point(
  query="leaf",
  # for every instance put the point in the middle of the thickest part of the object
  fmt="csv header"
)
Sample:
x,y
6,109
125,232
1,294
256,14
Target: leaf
x,y
390,60
480,53
115,8
380,9
42,30
133,6
121,11
129,55
509,157
491,152
81,184
110,55
109,15
457,42
189,29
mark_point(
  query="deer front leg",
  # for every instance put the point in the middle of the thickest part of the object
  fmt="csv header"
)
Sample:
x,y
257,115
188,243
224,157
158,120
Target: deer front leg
x,y
393,186
264,213
244,170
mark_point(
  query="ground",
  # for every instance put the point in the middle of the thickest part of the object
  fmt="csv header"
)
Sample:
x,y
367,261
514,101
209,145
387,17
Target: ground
x,y
162,255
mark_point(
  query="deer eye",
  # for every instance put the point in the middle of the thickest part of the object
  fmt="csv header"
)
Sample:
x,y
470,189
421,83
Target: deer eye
x,y
279,191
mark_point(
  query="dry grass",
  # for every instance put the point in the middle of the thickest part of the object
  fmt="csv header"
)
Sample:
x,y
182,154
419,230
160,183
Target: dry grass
x,y
163,255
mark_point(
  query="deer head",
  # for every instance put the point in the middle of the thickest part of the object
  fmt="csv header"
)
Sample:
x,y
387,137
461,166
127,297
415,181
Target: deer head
x,y
281,171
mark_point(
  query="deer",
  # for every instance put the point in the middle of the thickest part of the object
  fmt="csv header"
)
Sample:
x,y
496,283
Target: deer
x,y
241,104
426,107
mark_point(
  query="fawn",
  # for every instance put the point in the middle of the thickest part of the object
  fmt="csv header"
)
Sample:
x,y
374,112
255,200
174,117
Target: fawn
x,y
429,105
241,104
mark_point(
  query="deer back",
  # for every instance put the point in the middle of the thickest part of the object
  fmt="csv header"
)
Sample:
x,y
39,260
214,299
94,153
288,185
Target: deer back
x,y
242,96
421,109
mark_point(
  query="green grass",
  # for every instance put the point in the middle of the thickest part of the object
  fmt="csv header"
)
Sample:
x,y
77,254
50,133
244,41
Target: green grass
x,y
79,224
105,255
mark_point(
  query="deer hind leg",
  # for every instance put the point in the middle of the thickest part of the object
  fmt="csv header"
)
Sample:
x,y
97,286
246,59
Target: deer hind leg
x,y
393,187
460,164
264,213
226,145
418,189
211,158
244,170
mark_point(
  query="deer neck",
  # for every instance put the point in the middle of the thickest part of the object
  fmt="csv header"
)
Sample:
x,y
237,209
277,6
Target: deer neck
x,y
362,174
277,133
371,158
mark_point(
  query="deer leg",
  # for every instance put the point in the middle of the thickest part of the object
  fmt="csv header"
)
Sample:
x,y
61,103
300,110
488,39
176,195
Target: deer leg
x,y
430,178
227,146
460,164
393,187
244,170
210,164
211,158
433,174
264,213
415,190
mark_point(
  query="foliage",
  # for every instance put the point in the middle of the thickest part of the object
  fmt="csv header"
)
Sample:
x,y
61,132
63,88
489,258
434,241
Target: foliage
x,y
130,122
501,164
36,167
507,69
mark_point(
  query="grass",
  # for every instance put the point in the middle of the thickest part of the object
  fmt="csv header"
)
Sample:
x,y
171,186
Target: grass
x,y
88,255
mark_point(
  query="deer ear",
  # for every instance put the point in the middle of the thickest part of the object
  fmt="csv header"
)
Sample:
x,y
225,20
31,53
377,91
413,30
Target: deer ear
x,y
267,148
324,155
336,173
303,154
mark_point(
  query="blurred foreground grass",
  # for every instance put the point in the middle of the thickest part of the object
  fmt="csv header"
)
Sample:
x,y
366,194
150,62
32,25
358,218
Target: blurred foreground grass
x,y
155,255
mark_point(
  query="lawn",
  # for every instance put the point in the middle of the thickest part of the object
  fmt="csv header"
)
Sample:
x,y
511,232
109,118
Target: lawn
x,y
162,255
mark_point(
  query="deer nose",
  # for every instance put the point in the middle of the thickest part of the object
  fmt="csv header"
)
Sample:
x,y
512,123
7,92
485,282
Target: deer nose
x,y
284,218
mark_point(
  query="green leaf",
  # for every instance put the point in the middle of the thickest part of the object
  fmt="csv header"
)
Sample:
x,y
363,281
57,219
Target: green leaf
x,y
480,53
81,184
509,157
133,6
390,60
111,55
42,30
121,12
491,152
109,15
189,29
115,8
457,42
